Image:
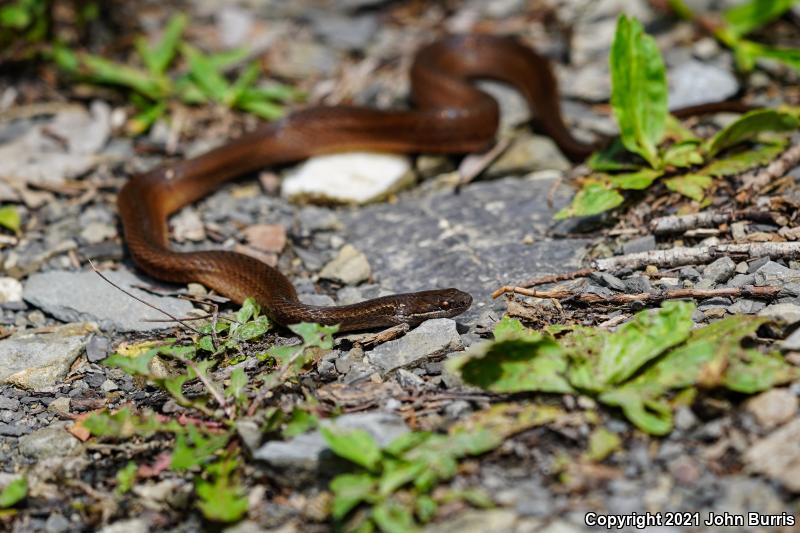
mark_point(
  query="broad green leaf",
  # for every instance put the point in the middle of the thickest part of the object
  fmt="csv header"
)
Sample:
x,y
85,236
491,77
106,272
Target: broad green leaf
x,y
683,154
13,493
744,18
392,517
749,125
356,446
753,371
612,158
632,345
349,490
638,89
315,334
636,181
534,363
511,328
743,161
9,218
253,329
693,186
399,473
425,508
248,310
592,199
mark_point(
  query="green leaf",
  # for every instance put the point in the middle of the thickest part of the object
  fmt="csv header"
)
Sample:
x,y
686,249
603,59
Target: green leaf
x,y
683,154
138,365
511,328
611,158
618,355
523,364
788,56
194,448
753,371
159,57
222,499
14,16
693,186
262,108
13,493
300,422
206,74
9,218
750,16
637,181
356,446
249,309
143,120
638,89
274,91
392,517
253,329
315,335
349,490
100,70
749,125
245,80
237,386
742,161
126,478
592,199
602,443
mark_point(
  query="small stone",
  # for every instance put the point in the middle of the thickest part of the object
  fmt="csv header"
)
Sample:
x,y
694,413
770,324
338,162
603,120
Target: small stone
x,y
778,456
97,232
108,386
773,407
685,470
132,525
788,314
316,299
10,290
739,232
56,523
742,267
792,342
529,152
689,273
429,338
746,306
772,273
720,270
52,441
302,459
97,348
188,226
266,237
606,279
409,380
350,178
349,267
432,165
10,404
742,280
640,244
60,405
637,284
346,32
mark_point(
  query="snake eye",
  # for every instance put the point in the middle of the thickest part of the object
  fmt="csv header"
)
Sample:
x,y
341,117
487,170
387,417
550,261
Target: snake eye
x,y
445,304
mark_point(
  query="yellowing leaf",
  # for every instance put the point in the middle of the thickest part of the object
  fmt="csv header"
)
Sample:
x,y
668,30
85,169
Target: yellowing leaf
x,y
691,185
9,218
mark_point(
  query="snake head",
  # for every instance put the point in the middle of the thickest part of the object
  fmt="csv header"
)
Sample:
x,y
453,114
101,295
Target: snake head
x,y
439,303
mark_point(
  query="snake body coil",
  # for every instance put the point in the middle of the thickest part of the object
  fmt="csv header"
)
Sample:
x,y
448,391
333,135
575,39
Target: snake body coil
x,y
450,116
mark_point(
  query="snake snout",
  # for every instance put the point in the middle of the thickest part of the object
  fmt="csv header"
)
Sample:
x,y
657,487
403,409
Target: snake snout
x,y
440,303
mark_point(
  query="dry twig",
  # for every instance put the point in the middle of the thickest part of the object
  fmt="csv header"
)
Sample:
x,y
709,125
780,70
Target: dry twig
x,y
707,219
766,292
680,256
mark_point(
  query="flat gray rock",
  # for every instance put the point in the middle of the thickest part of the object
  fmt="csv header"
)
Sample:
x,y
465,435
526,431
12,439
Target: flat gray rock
x,y
306,458
430,338
85,297
52,441
778,456
37,360
490,234
694,82
720,270
772,273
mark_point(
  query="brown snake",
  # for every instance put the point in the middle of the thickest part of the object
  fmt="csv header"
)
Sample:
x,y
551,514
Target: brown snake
x,y
450,116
